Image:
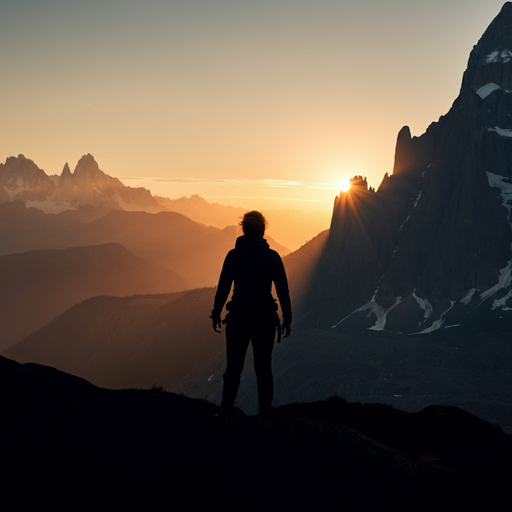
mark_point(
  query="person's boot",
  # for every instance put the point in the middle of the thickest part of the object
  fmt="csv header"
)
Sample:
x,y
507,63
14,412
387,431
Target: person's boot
x,y
224,418
264,422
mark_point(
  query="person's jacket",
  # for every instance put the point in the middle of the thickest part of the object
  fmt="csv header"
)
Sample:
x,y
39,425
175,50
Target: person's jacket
x,y
252,266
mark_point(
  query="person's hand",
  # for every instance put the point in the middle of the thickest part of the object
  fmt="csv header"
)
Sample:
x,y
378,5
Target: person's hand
x,y
286,330
216,326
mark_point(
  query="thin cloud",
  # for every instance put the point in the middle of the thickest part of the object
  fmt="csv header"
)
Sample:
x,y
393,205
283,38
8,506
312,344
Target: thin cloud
x,y
209,181
295,199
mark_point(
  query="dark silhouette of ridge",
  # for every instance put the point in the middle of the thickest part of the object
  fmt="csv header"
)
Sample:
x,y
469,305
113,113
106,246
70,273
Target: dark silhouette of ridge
x,y
166,239
39,285
69,443
135,341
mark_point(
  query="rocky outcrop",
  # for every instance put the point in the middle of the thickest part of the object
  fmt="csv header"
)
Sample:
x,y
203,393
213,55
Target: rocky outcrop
x,y
21,179
434,241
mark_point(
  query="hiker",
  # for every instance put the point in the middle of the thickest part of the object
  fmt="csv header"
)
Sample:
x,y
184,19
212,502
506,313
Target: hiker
x,y
252,313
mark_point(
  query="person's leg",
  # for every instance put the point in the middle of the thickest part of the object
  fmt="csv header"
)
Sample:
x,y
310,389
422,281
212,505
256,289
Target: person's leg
x,y
263,344
237,341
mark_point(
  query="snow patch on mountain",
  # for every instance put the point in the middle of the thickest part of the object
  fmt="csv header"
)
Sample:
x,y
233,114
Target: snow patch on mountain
x,y
497,181
501,56
467,299
379,311
49,205
487,89
503,282
424,304
418,197
504,132
501,303
437,324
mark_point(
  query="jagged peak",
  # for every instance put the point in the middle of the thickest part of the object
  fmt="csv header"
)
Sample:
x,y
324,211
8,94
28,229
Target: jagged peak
x,y
404,152
491,58
66,171
86,165
359,182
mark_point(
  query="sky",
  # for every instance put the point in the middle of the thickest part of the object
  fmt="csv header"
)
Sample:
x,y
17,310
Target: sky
x,y
259,104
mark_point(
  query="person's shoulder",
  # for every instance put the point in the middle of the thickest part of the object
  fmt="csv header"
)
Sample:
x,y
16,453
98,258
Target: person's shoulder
x,y
232,253
274,255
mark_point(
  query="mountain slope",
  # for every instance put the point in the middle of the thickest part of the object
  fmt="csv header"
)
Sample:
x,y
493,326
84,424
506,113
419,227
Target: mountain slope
x,y
293,228
166,239
130,341
432,247
38,285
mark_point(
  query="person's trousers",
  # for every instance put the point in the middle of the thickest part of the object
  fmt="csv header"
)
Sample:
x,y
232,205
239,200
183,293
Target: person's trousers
x,y
240,330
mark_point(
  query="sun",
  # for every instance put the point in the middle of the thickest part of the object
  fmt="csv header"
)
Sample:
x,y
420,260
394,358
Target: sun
x,y
344,185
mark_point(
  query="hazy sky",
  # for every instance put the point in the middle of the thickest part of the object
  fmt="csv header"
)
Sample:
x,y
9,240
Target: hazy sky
x,y
216,96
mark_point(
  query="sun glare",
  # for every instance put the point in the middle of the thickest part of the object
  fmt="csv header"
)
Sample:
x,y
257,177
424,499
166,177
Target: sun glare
x,y
344,185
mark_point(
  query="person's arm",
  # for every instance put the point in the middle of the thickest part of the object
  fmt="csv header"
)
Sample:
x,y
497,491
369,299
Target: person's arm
x,y
281,282
223,289
286,330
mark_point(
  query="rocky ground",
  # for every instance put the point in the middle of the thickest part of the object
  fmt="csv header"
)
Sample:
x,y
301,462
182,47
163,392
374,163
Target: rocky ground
x,y
70,444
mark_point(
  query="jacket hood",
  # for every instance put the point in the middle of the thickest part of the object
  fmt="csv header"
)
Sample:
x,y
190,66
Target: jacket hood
x,y
251,243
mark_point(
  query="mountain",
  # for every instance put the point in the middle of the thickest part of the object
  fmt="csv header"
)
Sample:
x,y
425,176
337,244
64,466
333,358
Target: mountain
x,y
200,210
88,186
293,228
71,442
38,285
122,342
21,179
166,239
431,249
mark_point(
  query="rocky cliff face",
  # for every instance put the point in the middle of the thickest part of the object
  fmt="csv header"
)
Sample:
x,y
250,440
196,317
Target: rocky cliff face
x,y
21,179
432,247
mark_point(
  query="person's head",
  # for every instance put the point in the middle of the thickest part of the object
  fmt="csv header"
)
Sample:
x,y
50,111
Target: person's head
x,y
253,223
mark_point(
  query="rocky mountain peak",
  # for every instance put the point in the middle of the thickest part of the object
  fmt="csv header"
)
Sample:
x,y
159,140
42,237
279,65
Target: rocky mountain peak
x,y
490,61
65,171
433,246
87,169
404,152
21,179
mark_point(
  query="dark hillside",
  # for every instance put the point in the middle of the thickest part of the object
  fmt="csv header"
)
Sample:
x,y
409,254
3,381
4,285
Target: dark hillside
x,y
133,341
71,444
36,286
166,239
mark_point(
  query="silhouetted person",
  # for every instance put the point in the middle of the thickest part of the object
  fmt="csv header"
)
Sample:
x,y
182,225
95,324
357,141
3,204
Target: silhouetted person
x,y
252,313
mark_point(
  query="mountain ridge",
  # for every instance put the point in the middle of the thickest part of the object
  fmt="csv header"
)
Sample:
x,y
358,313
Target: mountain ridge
x,y
21,179
434,243
38,285
89,187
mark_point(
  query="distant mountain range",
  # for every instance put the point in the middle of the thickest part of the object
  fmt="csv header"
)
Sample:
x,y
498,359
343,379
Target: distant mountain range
x,y
21,179
167,239
39,285
292,228
90,188
48,262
